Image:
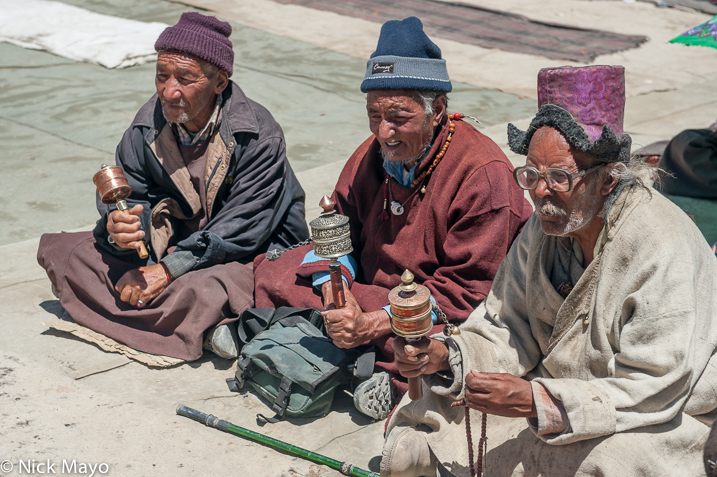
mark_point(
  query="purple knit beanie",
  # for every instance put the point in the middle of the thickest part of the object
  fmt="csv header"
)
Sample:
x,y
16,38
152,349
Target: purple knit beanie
x,y
201,36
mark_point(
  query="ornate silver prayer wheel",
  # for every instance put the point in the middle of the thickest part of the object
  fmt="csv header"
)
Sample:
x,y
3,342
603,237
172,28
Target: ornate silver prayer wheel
x,y
113,188
411,318
330,232
332,239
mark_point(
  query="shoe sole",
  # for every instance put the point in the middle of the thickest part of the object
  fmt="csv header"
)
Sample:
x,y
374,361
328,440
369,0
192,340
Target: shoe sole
x,y
375,396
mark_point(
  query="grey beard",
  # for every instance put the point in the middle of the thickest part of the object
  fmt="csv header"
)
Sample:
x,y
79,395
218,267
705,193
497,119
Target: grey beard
x,y
412,159
183,118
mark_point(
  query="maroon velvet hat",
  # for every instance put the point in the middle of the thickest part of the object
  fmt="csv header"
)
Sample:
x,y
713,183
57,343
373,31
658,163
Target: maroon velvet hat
x,y
594,95
587,105
202,36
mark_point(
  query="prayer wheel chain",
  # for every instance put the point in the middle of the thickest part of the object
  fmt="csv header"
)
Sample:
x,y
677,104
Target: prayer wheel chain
x,y
272,255
450,328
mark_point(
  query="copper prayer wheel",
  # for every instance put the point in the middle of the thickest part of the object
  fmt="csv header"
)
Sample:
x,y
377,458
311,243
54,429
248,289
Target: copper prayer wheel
x,y
331,235
113,188
411,318
111,184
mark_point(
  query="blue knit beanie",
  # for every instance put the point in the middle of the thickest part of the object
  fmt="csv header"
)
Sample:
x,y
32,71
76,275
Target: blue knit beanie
x,y
405,58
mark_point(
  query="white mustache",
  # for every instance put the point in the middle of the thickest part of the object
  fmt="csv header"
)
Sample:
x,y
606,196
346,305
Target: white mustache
x,y
181,104
550,209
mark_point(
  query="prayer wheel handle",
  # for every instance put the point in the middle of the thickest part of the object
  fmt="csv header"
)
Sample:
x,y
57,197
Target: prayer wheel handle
x,y
415,390
124,208
112,187
337,284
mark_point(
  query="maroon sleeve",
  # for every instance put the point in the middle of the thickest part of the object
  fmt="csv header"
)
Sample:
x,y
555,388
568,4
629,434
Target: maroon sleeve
x,y
484,219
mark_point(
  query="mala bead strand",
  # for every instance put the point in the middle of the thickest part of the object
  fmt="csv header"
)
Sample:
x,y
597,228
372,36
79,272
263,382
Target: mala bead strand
x,y
471,467
482,444
441,153
477,468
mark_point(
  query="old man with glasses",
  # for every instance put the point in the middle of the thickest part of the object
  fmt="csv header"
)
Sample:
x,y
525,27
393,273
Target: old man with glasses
x,y
599,329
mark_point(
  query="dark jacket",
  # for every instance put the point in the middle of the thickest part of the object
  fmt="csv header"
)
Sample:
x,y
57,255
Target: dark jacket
x,y
254,201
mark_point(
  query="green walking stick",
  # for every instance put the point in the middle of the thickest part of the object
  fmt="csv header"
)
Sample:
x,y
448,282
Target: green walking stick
x,y
213,421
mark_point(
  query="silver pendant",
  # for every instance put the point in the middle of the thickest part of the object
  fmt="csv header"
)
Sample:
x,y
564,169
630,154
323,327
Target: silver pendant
x,y
396,208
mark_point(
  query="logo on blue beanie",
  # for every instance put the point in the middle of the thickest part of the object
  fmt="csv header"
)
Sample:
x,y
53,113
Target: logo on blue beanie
x,y
382,68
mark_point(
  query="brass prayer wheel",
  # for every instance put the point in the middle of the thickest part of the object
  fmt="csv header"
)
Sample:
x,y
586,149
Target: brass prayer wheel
x,y
410,308
330,232
332,239
113,188
411,318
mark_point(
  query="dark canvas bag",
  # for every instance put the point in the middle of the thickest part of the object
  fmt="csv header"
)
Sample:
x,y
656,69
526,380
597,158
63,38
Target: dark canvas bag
x,y
291,363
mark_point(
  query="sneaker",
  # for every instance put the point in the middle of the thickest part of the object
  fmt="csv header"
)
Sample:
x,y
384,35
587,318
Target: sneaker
x,y
375,396
223,341
406,453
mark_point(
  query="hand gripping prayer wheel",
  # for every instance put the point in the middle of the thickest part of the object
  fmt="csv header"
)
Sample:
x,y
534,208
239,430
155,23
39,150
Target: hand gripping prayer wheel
x,y
332,239
411,318
113,189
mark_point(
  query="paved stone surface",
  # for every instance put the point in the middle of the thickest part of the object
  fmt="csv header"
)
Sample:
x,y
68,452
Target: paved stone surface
x,y
125,416
59,119
61,398
655,66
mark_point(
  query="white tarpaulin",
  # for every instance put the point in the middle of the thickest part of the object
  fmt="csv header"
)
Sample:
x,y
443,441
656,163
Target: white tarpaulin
x,y
78,34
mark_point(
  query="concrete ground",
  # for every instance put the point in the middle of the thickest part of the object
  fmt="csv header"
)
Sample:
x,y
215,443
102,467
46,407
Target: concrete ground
x,y
64,399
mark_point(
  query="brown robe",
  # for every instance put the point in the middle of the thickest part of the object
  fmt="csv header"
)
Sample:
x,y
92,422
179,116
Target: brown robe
x,y
174,323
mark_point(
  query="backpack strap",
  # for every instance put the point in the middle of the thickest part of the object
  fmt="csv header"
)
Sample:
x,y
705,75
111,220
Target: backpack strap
x,y
237,382
282,397
280,403
255,320
252,322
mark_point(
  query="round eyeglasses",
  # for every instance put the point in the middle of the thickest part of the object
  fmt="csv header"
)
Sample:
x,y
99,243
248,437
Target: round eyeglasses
x,y
558,180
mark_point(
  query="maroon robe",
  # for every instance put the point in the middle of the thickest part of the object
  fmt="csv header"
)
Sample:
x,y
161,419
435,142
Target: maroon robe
x,y
453,237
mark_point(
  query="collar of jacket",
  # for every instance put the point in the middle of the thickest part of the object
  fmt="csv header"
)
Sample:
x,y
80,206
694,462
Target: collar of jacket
x,y
237,116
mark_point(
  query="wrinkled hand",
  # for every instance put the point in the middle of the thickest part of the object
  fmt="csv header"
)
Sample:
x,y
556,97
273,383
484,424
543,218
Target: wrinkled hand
x,y
125,228
144,283
350,326
425,356
501,394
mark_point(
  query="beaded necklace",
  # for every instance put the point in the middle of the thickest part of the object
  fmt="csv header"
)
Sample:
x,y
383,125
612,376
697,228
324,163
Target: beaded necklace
x,y
396,207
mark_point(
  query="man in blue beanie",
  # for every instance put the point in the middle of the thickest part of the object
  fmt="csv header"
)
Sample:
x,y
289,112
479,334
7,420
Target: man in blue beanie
x,y
426,191
211,189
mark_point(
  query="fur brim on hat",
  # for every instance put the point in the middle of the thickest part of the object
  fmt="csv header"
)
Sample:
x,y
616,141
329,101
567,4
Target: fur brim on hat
x,y
609,147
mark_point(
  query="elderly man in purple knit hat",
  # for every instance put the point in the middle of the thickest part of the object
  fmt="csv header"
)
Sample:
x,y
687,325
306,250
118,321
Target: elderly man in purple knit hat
x,y
211,189
599,328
